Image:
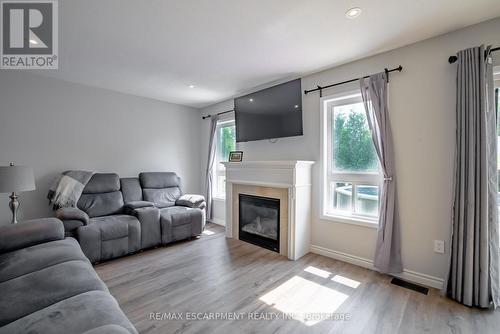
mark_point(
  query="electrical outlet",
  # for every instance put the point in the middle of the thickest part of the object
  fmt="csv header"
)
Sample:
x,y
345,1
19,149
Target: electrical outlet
x,y
439,246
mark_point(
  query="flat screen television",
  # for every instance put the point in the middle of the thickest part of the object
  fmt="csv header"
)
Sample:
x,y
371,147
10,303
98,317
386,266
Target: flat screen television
x,y
270,113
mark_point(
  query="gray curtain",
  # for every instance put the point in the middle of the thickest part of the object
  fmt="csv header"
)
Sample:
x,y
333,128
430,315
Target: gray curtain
x,y
387,257
209,176
473,276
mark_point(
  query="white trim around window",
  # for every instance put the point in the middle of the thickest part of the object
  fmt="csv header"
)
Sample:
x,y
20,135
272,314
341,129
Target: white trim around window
x,y
220,170
330,177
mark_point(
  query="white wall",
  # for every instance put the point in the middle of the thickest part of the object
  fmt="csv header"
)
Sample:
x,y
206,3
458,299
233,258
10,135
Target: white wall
x,y
54,126
422,110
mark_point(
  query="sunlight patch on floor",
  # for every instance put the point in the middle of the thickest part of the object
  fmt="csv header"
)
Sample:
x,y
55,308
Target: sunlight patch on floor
x,y
346,281
318,272
304,298
207,232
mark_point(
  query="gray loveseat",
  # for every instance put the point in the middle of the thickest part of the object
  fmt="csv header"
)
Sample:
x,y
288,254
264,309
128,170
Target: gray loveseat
x,y
115,217
48,285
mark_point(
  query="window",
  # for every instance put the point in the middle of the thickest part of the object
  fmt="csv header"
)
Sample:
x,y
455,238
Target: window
x,y
226,142
351,170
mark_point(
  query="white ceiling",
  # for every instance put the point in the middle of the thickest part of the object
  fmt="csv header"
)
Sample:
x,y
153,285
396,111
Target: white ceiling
x,y
226,47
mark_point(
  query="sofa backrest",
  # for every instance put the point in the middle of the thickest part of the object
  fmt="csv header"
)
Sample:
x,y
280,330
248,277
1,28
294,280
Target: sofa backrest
x,y
161,188
131,189
102,196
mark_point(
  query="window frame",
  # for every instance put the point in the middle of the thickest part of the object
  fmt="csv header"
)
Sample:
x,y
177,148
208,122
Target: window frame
x,y
218,168
329,176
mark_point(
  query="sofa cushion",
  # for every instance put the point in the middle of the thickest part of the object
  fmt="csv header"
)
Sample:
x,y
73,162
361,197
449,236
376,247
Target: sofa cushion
x,y
39,289
131,189
113,227
26,260
178,223
108,237
104,204
180,215
159,180
29,233
92,311
102,183
162,198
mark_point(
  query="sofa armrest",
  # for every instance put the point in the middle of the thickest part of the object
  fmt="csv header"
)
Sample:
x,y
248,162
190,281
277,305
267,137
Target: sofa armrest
x,y
138,204
71,213
30,233
191,201
149,218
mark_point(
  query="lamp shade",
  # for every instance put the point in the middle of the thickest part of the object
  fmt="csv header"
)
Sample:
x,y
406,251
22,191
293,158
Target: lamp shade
x,y
16,178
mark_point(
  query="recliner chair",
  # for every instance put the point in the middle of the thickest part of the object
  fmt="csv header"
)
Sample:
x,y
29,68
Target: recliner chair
x,y
103,230
181,217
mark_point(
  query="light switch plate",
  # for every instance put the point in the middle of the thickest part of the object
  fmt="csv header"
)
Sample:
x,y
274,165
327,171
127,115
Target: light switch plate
x,y
439,246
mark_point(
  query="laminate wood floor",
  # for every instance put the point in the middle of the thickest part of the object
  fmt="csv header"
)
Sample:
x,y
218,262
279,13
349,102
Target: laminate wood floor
x,y
164,289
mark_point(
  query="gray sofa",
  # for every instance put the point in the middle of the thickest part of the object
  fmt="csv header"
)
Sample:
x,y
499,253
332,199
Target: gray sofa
x,y
48,285
115,217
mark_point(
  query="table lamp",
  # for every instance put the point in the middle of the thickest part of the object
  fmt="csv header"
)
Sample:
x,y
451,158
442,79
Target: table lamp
x,y
14,179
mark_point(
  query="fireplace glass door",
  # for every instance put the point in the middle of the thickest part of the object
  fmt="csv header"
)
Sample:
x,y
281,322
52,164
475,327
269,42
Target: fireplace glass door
x,y
259,221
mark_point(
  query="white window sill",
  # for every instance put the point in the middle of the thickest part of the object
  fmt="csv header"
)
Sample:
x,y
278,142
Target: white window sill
x,y
350,220
219,198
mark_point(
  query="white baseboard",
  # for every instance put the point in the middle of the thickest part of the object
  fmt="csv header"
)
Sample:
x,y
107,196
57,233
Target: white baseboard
x,y
218,221
408,275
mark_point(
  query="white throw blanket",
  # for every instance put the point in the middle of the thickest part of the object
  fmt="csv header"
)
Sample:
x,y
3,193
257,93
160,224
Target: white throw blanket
x,y
67,189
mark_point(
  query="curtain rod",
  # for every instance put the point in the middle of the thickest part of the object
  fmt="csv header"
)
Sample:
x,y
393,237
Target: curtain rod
x,y
453,59
399,69
223,112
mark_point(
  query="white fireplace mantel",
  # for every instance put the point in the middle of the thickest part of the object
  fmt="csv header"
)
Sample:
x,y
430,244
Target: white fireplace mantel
x,y
293,175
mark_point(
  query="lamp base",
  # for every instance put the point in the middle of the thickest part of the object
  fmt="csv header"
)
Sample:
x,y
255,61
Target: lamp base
x,y
14,206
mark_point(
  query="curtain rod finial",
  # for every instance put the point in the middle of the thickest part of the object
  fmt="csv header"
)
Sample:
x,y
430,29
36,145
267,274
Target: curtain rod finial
x,y
452,59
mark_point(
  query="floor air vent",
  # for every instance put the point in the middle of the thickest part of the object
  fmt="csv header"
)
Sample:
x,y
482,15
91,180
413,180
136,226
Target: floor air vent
x,y
408,285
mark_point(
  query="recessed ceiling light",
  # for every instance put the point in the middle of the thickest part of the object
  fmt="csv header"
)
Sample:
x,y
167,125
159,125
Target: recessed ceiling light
x,y
353,12
191,86
32,41
251,100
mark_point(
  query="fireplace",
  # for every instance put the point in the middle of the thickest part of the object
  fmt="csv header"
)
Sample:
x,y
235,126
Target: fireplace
x,y
259,221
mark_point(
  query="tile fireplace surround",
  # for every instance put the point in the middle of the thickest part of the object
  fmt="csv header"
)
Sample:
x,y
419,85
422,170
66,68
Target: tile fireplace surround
x,y
288,181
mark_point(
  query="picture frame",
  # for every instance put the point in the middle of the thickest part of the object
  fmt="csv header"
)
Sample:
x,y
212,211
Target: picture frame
x,y
236,156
